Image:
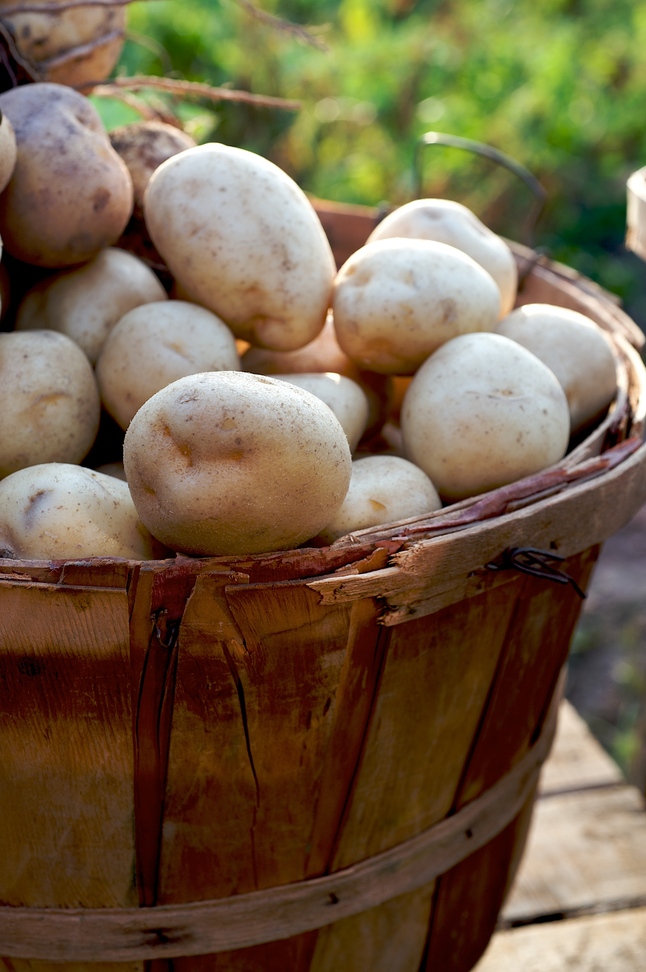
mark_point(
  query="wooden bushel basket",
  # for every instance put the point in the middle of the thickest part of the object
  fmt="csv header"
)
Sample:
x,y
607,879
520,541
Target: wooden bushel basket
x,y
318,760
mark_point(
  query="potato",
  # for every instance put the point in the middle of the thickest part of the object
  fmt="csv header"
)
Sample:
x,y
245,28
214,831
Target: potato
x,y
60,511
324,354
482,412
8,151
344,396
396,301
228,463
70,194
242,239
86,302
382,489
69,46
577,351
49,400
155,344
143,146
451,222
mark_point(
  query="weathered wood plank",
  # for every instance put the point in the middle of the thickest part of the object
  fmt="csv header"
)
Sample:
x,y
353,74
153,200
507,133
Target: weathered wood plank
x,y
434,687
577,761
596,943
586,852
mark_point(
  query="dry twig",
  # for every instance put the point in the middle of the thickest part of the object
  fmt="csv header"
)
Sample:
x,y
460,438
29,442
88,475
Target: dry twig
x,y
193,89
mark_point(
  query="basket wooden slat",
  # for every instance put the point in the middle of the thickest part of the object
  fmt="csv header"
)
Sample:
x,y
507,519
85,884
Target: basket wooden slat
x,y
189,730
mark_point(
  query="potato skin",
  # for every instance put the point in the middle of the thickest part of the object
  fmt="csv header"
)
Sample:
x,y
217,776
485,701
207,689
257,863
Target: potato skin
x,y
70,194
577,351
143,146
87,301
155,344
483,412
72,45
228,463
60,511
382,489
344,396
49,400
241,238
450,222
395,301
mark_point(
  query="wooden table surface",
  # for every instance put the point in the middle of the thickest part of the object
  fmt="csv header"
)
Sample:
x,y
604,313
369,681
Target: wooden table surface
x,y
579,900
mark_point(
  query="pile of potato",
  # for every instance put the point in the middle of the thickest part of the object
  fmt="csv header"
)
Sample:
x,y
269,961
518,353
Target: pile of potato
x,y
264,398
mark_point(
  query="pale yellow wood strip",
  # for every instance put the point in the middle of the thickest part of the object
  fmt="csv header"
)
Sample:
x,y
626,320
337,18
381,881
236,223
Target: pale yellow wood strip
x,y
586,850
596,943
577,760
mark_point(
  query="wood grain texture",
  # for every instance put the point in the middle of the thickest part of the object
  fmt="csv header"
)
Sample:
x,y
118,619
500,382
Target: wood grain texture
x,y
586,851
600,943
433,689
535,650
66,762
271,915
577,760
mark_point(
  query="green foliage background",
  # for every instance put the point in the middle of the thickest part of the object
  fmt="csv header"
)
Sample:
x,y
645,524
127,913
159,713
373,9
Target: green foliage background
x,y
559,85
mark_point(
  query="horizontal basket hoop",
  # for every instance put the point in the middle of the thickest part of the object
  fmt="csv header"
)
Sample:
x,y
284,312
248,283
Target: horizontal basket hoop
x,y
204,927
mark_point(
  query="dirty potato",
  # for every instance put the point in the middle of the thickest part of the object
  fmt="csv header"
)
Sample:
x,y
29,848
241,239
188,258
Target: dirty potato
x,y
70,195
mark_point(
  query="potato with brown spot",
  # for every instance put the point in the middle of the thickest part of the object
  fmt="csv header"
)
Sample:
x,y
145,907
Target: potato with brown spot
x,y
383,489
87,301
395,301
228,462
49,400
482,412
58,511
241,238
70,195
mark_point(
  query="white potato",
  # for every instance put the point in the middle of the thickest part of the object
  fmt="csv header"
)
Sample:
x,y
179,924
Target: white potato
x,y
395,301
8,151
49,400
228,462
320,355
450,222
382,489
344,396
482,412
577,351
242,239
155,344
86,302
60,511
